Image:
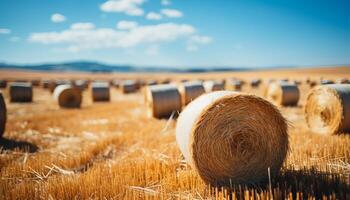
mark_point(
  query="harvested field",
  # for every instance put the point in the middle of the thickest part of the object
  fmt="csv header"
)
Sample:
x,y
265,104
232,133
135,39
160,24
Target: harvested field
x,y
114,150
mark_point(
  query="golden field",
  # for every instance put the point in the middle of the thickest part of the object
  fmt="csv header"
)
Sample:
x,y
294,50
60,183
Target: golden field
x,y
115,151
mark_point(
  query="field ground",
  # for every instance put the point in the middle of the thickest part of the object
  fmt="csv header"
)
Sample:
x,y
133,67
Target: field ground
x,y
114,151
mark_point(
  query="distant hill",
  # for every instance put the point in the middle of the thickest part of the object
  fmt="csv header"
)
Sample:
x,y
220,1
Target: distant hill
x,y
85,66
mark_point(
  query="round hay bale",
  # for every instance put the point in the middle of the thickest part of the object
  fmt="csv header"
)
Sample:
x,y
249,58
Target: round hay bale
x,y
327,109
129,86
234,84
3,83
163,100
80,84
255,83
100,91
35,82
116,83
232,138
343,81
211,86
67,96
21,92
3,115
326,82
191,90
283,93
152,82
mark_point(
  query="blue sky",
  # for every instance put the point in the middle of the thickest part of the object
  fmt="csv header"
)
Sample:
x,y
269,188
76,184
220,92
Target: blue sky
x,y
176,32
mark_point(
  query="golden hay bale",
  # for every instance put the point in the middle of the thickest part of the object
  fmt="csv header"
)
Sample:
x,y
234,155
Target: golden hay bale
x,y
35,82
234,84
163,100
283,93
343,81
81,84
100,91
67,96
211,86
255,83
129,86
232,138
190,90
3,114
21,92
327,109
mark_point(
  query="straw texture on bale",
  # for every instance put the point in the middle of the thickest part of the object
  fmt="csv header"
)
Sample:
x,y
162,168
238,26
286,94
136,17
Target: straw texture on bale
x,y
67,96
211,86
283,93
21,92
3,114
232,138
327,109
129,86
163,100
100,91
190,91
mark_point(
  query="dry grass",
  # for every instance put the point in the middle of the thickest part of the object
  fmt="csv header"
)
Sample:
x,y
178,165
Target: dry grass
x,y
114,151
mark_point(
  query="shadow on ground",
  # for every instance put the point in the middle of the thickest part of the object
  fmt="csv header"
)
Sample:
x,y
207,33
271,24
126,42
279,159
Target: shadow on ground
x,y
9,144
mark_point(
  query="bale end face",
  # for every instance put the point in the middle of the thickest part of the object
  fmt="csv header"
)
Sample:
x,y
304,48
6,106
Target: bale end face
x,y
283,93
232,138
68,96
100,91
21,92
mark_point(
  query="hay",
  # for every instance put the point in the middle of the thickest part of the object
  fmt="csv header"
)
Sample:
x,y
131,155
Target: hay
x,y
35,82
326,82
232,138
81,84
152,82
129,86
67,96
283,93
190,91
211,86
234,84
327,109
3,83
3,115
21,92
343,81
100,91
163,100
255,83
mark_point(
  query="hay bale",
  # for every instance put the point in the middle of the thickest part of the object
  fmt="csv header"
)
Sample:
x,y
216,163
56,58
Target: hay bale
x,y
211,86
283,93
3,83
35,82
327,109
234,84
116,83
255,83
326,82
3,115
232,138
67,96
163,100
21,92
343,81
152,82
190,90
80,84
129,86
100,91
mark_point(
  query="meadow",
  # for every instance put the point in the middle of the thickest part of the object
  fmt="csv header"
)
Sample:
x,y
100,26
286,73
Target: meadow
x,y
116,151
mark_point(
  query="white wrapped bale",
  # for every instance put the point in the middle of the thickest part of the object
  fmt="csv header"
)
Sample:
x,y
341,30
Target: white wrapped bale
x,y
283,93
21,92
100,91
67,96
163,100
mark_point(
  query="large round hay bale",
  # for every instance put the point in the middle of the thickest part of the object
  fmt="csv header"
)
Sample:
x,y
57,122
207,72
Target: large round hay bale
x,y
211,86
67,96
283,93
100,91
21,92
232,138
3,115
3,83
163,100
234,84
129,86
327,109
190,91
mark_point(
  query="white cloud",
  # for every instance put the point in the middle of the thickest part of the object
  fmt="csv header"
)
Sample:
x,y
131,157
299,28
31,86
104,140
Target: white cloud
x,y
15,39
129,7
98,38
152,50
153,16
171,13
5,31
82,26
196,40
57,18
126,25
165,2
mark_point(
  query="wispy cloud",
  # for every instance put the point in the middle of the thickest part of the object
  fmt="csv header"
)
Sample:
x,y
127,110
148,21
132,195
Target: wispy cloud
x,y
197,40
126,25
165,2
153,16
5,31
172,13
58,18
128,7
77,39
82,26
